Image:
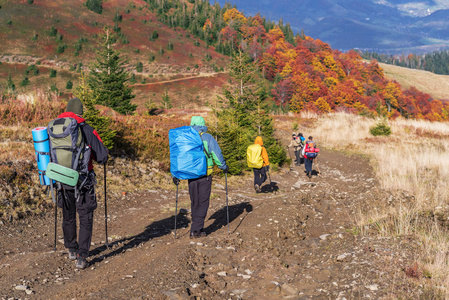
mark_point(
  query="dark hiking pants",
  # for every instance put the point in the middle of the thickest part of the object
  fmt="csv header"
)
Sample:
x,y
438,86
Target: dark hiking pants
x,y
308,164
260,175
299,160
199,190
85,207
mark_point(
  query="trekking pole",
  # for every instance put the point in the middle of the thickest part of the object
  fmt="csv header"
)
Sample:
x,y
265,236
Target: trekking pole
x,y
227,206
176,209
105,208
289,155
56,210
318,167
269,177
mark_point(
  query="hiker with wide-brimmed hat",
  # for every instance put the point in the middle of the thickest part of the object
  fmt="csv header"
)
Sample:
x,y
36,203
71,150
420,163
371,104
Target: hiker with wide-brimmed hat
x,y
81,145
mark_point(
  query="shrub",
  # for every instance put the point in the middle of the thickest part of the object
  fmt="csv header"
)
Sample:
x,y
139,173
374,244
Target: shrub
x,y
9,22
30,1
25,81
381,128
53,88
69,85
35,37
61,49
161,51
139,67
152,57
170,46
118,17
132,79
95,6
53,31
117,28
155,35
52,73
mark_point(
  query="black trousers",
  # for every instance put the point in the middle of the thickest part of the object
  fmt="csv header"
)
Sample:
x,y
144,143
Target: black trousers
x,y
199,190
85,207
308,164
260,175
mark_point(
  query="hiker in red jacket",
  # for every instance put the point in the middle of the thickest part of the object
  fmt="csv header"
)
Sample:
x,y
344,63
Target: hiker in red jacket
x,y
309,153
86,202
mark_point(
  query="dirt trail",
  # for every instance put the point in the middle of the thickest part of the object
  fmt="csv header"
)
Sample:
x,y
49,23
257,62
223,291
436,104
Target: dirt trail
x,y
296,240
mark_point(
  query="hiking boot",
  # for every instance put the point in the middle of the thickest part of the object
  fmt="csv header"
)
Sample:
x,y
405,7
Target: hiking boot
x,y
257,188
72,254
81,262
197,234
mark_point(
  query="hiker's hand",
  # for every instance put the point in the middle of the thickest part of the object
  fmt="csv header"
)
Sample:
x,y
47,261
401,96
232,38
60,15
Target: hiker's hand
x,y
176,180
267,168
226,170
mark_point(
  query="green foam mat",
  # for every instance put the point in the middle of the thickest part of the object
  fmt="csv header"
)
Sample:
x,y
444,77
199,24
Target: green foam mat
x,y
62,174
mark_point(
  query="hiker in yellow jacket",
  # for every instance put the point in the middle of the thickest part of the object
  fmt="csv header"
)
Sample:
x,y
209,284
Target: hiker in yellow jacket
x,y
260,164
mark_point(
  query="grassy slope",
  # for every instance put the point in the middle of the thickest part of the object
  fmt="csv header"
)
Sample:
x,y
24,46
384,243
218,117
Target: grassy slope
x,y
435,85
74,21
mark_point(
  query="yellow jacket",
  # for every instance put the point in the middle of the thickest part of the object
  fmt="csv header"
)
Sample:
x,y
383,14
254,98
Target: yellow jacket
x,y
259,141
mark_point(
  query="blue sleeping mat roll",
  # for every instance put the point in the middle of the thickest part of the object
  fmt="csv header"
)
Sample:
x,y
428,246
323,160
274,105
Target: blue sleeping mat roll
x,y
187,158
42,149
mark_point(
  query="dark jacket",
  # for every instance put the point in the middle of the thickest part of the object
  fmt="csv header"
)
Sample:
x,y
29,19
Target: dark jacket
x,y
99,152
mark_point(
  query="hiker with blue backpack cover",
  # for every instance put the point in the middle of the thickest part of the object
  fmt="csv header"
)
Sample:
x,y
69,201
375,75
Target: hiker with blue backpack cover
x,y
310,152
73,145
193,153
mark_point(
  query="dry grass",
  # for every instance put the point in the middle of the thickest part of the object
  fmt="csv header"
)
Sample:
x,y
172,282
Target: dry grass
x,y
427,82
413,160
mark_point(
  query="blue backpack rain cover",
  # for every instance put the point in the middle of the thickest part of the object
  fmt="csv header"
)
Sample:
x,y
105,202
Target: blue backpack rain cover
x,y
187,158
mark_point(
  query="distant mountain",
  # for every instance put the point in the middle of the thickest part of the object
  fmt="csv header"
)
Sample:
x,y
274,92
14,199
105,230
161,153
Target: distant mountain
x,y
392,26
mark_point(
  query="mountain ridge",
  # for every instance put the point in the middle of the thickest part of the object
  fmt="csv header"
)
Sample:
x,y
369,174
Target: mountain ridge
x,y
389,27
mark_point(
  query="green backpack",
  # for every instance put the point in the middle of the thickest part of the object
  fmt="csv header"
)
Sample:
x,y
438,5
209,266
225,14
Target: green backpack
x,y
68,147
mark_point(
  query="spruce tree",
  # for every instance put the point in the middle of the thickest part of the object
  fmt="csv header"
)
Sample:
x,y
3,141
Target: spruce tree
x,y
244,115
109,79
10,86
101,124
95,6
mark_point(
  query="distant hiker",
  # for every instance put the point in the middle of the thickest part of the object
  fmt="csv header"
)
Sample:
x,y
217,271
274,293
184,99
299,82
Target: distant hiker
x,y
310,151
297,146
77,151
200,188
302,141
257,158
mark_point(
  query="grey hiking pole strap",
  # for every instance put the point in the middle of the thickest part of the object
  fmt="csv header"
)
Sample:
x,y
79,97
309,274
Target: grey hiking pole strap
x,y
56,209
176,209
105,208
227,206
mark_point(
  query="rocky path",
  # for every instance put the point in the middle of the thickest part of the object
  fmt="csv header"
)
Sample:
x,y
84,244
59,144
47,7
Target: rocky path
x,y
296,240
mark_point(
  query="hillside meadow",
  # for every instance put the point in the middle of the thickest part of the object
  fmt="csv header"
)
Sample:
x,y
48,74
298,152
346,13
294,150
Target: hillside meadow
x,y
430,83
413,164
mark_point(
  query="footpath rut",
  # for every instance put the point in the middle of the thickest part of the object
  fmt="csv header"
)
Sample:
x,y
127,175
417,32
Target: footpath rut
x,y
296,240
